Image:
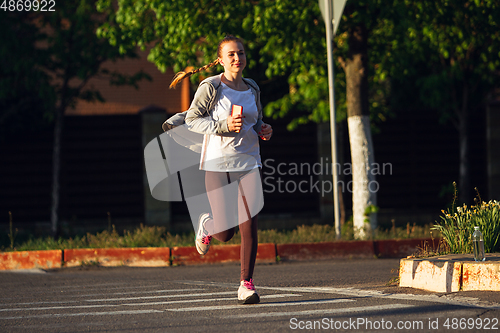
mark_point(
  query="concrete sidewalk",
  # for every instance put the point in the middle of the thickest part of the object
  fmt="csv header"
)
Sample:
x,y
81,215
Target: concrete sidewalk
x,y
451,273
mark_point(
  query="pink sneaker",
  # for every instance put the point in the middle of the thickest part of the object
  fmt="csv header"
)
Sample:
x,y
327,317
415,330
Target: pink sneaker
x,y
247,293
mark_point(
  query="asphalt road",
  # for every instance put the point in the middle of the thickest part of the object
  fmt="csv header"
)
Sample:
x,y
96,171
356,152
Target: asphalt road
x,y
336,295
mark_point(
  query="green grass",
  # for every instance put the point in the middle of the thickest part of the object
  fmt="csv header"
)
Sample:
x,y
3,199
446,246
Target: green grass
x,y
457,226
155,236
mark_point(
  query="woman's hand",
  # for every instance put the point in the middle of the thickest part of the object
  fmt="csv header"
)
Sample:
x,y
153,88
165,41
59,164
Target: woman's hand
x,y
266,131
235,123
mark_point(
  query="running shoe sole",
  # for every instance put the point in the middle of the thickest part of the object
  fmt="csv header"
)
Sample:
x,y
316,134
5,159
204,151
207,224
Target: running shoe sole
x,y
252,299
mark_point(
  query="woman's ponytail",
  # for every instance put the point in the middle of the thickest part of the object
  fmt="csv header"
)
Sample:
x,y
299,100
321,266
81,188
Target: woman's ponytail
x,y
183,75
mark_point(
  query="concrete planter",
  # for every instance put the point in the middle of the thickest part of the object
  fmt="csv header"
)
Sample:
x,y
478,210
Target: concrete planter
x,y
451,273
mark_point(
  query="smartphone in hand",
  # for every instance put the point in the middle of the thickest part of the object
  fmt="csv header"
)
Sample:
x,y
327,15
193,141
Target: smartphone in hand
x,y
236,110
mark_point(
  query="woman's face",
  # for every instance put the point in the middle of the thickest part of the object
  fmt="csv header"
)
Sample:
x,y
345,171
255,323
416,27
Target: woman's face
x,y
233,57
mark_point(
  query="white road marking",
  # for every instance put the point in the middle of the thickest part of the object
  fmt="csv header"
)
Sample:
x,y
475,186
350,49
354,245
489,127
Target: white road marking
x,y
233,299
89,295
106,286
140,292
324,311
199,297
434,298
161,296
140,304
111,285
79,288
228,307
57,308
35,303
445,299
28,271
107,313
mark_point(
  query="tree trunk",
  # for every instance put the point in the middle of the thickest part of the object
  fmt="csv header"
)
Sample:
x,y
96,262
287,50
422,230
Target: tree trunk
x,y
56,161
363,180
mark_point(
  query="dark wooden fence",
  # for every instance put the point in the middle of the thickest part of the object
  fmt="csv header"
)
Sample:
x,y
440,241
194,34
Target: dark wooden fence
x,y
102,169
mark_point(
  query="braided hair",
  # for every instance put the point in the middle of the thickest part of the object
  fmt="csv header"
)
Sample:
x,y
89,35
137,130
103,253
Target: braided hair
x,y
183,75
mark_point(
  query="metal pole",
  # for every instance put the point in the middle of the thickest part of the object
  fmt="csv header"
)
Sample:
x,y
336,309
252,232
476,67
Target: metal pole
x,y
333,130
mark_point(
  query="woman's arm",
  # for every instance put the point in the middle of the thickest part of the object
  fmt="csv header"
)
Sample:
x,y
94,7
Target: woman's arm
x,y
198,116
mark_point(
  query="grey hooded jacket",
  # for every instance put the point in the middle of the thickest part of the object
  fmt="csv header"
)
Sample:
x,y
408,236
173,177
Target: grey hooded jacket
x,y
198,118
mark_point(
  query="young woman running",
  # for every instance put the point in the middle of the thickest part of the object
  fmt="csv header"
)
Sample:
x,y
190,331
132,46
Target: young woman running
x,y
230,156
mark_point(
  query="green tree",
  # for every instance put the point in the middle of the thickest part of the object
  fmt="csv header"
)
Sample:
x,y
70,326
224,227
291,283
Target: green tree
x,y
71,54
456,45
360,23
285,40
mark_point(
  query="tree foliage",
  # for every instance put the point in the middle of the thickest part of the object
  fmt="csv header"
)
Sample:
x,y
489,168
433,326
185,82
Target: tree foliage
x,y
285,40
455,46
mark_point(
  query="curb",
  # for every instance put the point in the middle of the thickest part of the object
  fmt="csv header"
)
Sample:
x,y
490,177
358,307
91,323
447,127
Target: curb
x,y
266,253
451,273
132,257
31,259
326,250
163,256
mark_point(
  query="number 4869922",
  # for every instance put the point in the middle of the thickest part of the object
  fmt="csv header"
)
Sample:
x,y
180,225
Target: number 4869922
x,y
28,5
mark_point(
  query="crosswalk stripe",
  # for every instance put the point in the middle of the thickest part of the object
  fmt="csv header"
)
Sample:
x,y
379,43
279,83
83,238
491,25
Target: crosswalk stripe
x,y
160,296
142,292
228,307
210,300
448,299
106,313
124,293
139,304
323,311
57,308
